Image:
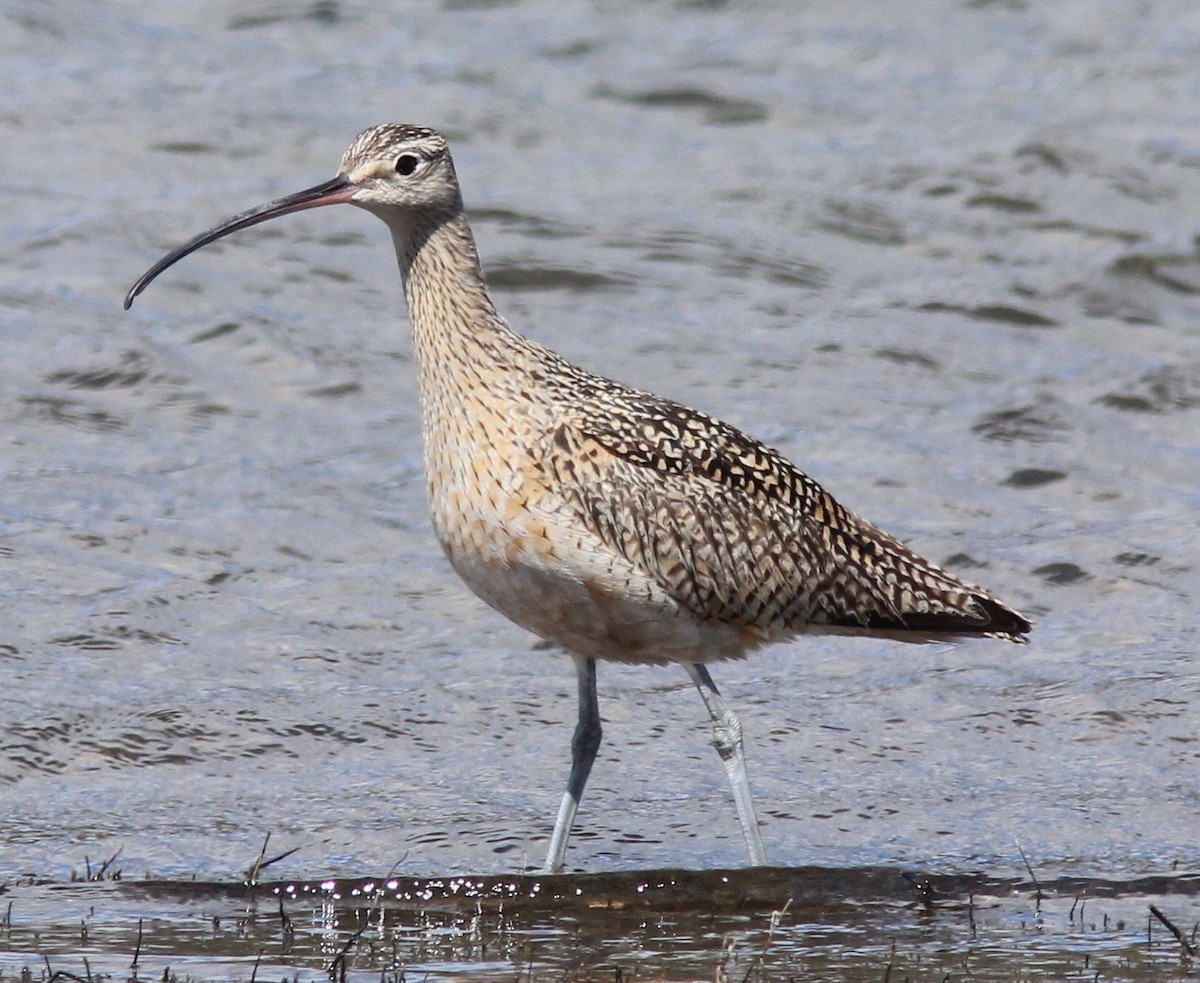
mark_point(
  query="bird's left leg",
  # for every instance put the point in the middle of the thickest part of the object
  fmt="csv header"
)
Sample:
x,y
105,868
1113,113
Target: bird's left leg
x,y
727,739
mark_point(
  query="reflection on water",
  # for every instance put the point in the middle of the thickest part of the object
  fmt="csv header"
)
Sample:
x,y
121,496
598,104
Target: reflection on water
x,y
803,923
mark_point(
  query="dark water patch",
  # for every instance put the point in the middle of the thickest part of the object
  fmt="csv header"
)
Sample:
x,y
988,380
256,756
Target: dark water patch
x,y
1034,424
1033,478
714,891
324,12
138,748
862,222
1062,574
1025,717
1179,274
571,50
717,109
121,739
35,23
129,371
318,730
336,239
32,747
673,246
900,177
108,639
551,278
187,147
324,273
1138,186
133,376
88,642
142,636
60,238
964,561
1043,155
1107,304
477,4
943,190
1007,314
788,273
905,357
1003,203
336,390
217,331
727,258
1125,236
1002,313
533,226
202,412
1165,390
1136,559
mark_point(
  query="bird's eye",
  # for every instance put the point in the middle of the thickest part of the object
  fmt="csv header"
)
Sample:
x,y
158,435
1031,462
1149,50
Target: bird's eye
x,y
406,164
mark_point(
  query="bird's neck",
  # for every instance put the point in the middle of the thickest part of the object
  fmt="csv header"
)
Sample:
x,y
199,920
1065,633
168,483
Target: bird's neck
x,y
453,317
470,363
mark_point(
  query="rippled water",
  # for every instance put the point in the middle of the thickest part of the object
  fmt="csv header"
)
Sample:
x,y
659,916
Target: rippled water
x,y
945,258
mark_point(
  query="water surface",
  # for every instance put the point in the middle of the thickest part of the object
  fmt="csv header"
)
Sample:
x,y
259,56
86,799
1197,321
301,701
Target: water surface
x,y
944,258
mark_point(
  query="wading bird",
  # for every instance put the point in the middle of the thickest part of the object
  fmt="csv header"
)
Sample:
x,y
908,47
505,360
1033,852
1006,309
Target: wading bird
x,y
615,523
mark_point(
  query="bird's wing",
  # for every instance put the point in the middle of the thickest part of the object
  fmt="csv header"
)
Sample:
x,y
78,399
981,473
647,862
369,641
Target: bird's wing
x,y
737,534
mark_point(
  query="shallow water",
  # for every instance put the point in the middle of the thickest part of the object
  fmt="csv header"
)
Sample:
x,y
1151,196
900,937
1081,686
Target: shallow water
x,y
945,258
798,923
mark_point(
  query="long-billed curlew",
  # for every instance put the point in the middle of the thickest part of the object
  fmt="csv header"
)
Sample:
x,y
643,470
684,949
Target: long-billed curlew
x,y
615,523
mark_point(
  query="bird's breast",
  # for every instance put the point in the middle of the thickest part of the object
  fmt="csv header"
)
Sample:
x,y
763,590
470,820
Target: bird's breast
x,y
520,545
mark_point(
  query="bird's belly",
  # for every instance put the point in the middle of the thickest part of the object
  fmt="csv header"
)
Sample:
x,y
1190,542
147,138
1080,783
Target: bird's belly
x,y
549,574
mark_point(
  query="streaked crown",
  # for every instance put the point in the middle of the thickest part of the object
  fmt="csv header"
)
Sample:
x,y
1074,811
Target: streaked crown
x,y
401,165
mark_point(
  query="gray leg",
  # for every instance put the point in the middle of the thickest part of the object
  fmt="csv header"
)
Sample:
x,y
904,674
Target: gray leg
x,y
727,739
584,745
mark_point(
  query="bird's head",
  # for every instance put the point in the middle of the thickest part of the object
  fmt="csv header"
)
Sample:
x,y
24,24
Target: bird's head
x,y
400,172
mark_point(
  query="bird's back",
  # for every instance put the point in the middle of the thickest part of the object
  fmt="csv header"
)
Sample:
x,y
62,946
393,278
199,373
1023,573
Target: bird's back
x,y
635,528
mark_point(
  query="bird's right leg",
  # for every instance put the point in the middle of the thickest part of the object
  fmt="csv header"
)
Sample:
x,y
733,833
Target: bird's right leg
x,y
584,745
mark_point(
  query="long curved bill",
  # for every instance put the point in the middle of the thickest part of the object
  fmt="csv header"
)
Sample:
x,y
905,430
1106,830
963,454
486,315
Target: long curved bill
x,y
333,192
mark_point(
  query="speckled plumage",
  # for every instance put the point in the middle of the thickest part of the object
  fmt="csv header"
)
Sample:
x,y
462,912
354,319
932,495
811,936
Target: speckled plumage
x,y
614,522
